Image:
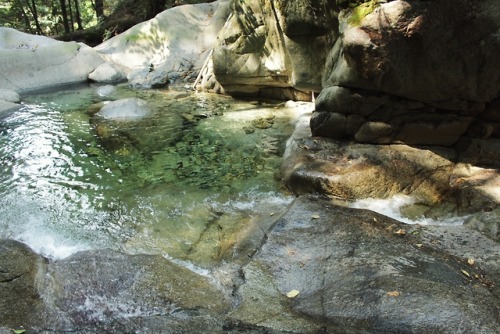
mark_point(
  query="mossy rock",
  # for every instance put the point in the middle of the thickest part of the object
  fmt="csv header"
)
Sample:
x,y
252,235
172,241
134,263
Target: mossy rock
x,y
361,11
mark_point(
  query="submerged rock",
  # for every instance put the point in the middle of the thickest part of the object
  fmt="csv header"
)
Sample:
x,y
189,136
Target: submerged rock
x,y
126,109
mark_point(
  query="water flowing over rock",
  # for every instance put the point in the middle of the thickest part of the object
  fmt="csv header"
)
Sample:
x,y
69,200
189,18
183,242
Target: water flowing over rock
x,y
33,62
352,271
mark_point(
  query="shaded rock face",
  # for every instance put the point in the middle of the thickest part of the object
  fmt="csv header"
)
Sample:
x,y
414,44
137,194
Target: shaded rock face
x,y
20,297
274,46
413,72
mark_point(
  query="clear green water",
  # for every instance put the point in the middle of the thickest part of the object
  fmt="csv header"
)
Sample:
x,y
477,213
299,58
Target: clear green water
x,y
187,181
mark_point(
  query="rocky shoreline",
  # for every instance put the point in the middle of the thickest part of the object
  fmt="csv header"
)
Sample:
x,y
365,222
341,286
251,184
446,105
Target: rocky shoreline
x,y
379,129
354,271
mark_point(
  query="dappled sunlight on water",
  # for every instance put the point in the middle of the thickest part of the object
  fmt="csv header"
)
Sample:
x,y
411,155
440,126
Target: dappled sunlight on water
x,y
181,182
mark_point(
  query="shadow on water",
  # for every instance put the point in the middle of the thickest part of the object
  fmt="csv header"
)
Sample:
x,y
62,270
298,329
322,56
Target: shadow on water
x,y
187,181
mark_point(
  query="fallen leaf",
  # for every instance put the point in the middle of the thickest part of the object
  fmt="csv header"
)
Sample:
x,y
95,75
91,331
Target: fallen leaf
x,y
19,331
315,216
394,293
470,261
419,245
400,232
271,214
293,293
465,272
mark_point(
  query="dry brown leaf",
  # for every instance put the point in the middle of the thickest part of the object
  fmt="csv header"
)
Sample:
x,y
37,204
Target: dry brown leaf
x,y
400,232
394,293
471,261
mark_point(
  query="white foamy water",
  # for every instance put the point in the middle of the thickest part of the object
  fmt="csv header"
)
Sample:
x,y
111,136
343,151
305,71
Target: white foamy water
x,y
391,207
50,244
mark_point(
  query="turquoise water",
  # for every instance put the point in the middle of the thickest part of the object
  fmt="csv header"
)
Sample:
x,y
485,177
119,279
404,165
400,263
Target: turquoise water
x,y
187,181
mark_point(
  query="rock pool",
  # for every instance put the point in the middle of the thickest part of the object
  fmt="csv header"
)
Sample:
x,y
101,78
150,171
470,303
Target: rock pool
x,y
189,180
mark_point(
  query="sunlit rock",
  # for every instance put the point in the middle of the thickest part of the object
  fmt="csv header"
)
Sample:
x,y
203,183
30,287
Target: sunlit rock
x,y
274,44
176,40
32,62
9,96
444,181
415,70
107,73
6,106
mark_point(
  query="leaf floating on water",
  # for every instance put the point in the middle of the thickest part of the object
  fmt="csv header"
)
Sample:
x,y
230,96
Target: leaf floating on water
x,y
394,293
400,232
293,293
465,272
315,216
471,261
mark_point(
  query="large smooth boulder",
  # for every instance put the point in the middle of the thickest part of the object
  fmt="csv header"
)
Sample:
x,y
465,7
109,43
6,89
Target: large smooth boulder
x,y
32,62
175,42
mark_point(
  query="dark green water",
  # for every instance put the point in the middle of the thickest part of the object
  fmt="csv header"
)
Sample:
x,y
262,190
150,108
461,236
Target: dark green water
x,y
72,180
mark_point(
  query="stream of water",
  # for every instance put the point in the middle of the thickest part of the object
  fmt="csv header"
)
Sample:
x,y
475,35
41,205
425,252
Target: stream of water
x,y
200,166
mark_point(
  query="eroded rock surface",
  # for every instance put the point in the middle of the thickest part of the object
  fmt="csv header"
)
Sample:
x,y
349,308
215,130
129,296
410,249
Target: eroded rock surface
x,y
354,271
443,180
412,72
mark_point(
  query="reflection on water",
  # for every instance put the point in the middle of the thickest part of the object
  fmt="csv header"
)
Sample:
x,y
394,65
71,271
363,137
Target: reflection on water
x,y
187,181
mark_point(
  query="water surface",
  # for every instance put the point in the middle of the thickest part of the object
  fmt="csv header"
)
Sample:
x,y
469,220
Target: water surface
x,y
185,181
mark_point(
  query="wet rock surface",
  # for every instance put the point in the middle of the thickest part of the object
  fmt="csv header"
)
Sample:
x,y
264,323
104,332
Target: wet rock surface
x,y
442,180
354,271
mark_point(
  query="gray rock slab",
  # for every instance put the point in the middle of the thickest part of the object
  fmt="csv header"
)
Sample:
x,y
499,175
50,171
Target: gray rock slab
x,y
357,271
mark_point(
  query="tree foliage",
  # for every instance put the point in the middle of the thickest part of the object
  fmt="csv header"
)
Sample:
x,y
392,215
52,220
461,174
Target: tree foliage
x,y
90,21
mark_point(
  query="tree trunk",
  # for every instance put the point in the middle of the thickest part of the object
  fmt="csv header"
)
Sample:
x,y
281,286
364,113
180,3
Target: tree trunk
x,y
78,17
25,17
64,14
71,21
99,8
32,8
35,16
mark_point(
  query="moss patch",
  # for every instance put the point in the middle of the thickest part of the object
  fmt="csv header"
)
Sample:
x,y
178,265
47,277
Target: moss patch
x,y
359,12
